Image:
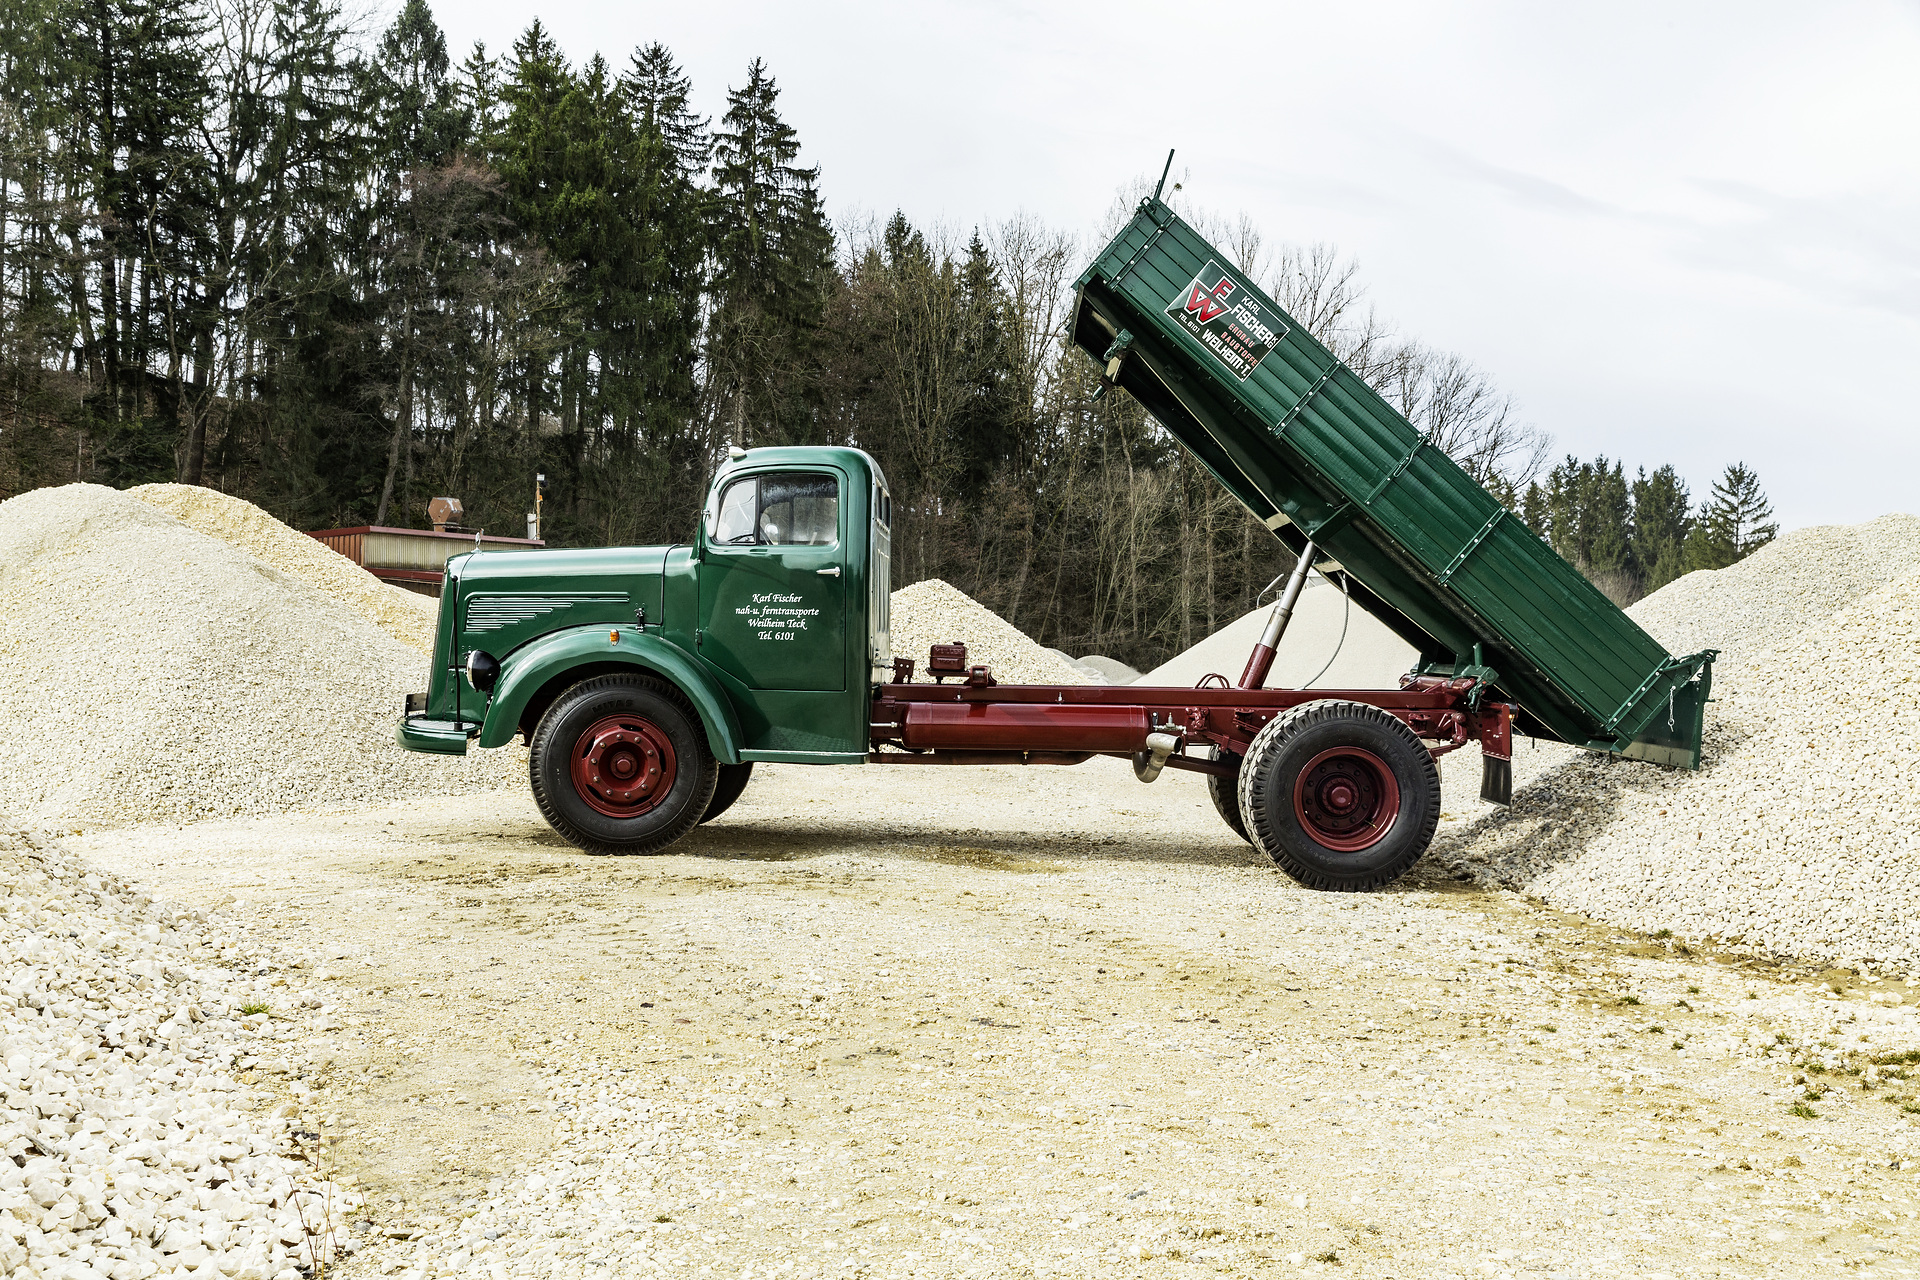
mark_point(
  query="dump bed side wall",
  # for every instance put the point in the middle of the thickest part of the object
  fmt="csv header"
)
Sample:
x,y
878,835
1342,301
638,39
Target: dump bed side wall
x,y
1442,562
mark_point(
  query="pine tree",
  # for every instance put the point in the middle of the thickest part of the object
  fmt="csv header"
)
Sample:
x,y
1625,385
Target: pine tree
x,y
1607,531
771,249
531,154
673,150
1533,509
419,118
419,126
1736,521
985,429
1661,521
313,258
138,93
658,94
479,98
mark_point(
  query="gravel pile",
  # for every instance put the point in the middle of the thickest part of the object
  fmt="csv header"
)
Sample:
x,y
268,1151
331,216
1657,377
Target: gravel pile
x,y
1110,670
151,672
1329,645
932,612
132,1148
1799,836
405,615
1784,588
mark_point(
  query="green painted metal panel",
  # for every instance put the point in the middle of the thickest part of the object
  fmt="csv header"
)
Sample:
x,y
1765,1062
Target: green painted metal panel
x,y
1317,454
577,652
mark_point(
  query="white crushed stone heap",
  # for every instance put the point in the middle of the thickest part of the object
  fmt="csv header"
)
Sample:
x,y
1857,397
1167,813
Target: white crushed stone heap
x,y
149,672
1788,585
127,1147
1801,836
932,612
405,615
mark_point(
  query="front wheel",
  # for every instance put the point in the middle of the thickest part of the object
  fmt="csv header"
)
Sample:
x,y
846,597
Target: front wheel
x,y
619,764
1341,795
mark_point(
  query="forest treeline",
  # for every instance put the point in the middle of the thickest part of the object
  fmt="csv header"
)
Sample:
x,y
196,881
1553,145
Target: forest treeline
x,y
250,246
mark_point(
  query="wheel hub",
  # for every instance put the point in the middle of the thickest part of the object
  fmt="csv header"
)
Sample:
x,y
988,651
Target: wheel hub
x,y
1346,799
623,765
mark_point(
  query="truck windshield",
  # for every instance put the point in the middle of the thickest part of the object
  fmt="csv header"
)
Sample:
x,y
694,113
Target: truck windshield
x,y
783,509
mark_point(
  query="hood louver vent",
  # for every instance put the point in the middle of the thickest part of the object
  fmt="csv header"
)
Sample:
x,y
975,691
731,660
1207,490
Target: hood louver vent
x,y
492,612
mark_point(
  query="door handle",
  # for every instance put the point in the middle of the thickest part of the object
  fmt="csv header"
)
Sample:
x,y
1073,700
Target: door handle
x,y
832,572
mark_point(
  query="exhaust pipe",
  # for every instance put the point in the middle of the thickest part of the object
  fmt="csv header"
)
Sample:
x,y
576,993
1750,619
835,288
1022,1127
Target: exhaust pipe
x,y
1151,759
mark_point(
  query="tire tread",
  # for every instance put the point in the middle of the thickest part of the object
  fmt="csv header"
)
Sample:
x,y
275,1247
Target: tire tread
x,y
1273,738
542,743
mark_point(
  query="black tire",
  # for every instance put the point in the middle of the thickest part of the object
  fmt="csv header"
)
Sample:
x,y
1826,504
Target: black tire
x,y
1225,792
641,708
1364,814
732,781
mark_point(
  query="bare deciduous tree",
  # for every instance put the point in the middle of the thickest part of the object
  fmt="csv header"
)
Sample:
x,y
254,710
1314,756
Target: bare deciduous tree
x,y
1464,415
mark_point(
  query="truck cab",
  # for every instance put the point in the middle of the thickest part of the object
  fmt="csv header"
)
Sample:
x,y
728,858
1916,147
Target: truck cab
x,y
761,639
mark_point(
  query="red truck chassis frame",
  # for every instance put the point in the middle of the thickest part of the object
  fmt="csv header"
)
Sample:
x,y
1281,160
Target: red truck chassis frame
x,y
982,723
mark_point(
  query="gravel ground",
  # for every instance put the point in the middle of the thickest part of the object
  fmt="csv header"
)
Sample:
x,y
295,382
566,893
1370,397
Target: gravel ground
x,y
405,615
1039,1022
160,673
1797,838
127,1146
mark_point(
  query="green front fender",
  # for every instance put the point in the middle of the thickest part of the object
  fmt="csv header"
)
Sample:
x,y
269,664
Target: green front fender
x,y
557,660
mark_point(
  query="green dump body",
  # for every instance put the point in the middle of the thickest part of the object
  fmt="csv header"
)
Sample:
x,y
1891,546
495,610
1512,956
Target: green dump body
x,y
1317,454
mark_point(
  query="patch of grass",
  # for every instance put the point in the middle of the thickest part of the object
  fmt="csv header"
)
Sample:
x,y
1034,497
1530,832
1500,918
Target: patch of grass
x,y
1628,1000
1693,991
1804,1111
1330,1257
1682,1004
1753,995
1655,1030
1546,1026
1678,1045
248,1010
1663,934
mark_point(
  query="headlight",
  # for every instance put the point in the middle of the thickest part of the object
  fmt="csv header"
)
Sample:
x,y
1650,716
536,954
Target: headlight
x,y
483,669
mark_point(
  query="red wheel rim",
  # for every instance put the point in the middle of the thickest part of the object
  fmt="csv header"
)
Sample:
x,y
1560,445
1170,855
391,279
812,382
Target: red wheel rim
x,y
1346,799
623,765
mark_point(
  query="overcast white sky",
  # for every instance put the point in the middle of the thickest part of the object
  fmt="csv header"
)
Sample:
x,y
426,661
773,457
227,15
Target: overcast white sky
x,y
1674,232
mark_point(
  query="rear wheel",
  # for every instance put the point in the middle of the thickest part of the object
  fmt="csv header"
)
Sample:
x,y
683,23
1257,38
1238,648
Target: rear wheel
x,y
619,764
732,781
1341,795
1225,791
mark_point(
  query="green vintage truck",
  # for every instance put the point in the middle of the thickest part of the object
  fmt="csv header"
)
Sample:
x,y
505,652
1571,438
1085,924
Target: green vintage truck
x,y
648,681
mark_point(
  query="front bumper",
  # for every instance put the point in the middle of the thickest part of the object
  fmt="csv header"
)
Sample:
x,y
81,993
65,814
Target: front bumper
x,y
444,737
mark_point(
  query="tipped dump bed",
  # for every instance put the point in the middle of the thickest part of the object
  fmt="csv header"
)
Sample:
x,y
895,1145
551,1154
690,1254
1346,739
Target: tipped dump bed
x,y
1317,454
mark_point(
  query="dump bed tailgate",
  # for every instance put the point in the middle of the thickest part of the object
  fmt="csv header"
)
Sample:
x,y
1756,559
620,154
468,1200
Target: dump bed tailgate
x,y
1317,454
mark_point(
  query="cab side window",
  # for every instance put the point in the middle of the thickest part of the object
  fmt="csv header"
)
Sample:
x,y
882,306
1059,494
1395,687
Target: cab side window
x,y
786,509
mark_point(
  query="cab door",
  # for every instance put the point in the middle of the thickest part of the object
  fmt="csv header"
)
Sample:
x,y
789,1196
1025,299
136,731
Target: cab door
x,y
773,579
